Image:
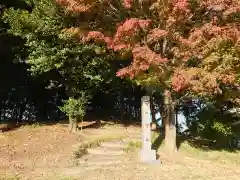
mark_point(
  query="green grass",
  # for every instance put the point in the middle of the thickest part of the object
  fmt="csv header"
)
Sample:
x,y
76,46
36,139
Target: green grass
x,y
35,125
59,177
223,156
67,178
7,177
133,146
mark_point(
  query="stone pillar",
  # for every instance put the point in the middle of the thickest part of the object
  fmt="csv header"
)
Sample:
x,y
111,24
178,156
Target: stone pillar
x,y
146,153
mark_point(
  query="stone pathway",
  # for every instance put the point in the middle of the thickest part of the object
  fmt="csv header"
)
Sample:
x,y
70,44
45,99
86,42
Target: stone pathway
x,y
109,154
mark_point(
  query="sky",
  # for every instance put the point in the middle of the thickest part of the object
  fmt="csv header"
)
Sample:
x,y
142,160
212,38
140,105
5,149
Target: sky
x,y
181,121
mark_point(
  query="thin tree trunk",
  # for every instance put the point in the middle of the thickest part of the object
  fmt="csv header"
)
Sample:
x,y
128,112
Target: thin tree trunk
x,y
176,119
4,110
153,125
129,102
72,124
22,109
170,123
121,107
162,114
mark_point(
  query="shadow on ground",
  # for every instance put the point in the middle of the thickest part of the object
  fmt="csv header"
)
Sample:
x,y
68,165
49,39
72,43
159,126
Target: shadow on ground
x,y
210,145
157,142
196,142
90,121
95,122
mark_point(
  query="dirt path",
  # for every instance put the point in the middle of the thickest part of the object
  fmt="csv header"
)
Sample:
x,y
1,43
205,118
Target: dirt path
x,y
179,168
29,148
38,152
47,153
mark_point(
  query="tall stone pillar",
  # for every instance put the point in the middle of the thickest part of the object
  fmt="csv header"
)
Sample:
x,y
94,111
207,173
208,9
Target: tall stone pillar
x,y
146,153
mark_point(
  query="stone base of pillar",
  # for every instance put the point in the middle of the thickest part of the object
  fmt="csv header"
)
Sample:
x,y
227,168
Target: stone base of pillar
x,y
147,155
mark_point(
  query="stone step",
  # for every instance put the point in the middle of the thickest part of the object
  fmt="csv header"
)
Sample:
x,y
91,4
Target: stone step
x,y
102,168
96,159
132,140
96,162
105,151
127,140
134,135
100,157
114,144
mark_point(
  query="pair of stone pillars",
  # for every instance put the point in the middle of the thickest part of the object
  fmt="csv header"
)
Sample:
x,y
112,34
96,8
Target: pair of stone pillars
x,y
147,154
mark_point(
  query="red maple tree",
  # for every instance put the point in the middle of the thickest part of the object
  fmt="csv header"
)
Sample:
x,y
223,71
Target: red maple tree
x,y
186,47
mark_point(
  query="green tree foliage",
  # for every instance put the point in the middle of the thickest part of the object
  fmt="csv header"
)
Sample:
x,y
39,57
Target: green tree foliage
x,y
75,65
211,121
55,51
52,55
60,65
75,110
13,70
185,47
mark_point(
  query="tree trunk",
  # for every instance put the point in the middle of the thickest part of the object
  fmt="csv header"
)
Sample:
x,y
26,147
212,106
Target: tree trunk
x,y
153,124
121,107
130,109
72,124
22,109
170,123
177,125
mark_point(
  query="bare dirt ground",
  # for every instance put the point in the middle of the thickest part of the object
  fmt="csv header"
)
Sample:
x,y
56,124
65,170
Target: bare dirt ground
x,y
27,149
46,152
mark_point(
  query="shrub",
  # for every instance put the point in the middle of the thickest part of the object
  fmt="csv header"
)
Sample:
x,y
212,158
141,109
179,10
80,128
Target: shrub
x,y
75,109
